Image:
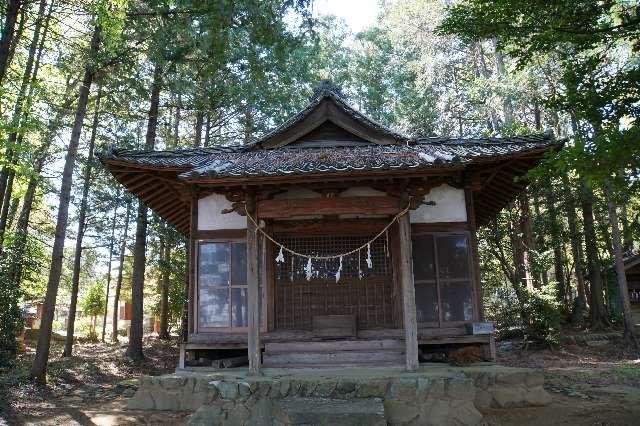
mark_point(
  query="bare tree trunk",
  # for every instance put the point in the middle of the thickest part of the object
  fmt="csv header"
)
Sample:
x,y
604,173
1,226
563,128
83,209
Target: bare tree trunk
x,y
22,226
165,255
556,240
528,242
20,112
576,249
207,131
106,297
199,123
39,367
540,240
599,318
134,351
630,336
82,218
8,35
116,293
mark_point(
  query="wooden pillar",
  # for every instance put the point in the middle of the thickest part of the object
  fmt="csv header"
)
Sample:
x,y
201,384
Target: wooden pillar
x,y
253,290
408,293
475,259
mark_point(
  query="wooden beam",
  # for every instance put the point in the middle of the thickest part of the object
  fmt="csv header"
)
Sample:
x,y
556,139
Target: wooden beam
x,y
381,205
253,290
475,259
408,293
191,265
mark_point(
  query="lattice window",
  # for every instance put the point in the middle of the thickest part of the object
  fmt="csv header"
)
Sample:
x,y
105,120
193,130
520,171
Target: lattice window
x,y
361,291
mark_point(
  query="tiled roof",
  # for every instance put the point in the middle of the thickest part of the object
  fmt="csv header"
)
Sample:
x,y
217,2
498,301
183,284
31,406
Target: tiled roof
x,y
240,161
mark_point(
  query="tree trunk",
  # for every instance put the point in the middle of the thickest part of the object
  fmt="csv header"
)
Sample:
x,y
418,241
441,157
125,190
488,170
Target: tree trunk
x,y
8,35
165,255
556,240
134,350
599,318
576,250
20,115
39,367
82,217
116,292
528,242
629,335
199,123
540,240
207,131
22,226
106,298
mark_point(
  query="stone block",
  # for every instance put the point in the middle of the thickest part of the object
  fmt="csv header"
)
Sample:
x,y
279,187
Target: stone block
x,y
284,388
274,391
228,390
263,389
459,388
483,398
483,380
237,416
345,388
142,400
465,414
244,390
515,377
534,379
195,400
372,388
168,400
207,415
400,412
404,389
508,396
325,388
262,413
435,413
537,396
173,382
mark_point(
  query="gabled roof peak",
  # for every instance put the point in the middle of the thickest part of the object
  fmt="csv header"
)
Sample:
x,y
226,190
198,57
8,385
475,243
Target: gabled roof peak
x,y
326,88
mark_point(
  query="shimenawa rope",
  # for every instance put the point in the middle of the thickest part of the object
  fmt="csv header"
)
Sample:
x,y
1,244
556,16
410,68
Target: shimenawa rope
x,y
312,257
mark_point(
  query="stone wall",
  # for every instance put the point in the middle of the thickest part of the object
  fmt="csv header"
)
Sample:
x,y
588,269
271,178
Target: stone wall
x,y
442,398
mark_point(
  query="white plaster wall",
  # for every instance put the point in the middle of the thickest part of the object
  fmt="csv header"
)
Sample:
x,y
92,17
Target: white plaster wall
x,y
211,218
450,206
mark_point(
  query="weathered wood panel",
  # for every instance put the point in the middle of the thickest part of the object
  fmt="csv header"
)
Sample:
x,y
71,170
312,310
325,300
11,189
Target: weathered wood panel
x,y
382,205
408,293
253,292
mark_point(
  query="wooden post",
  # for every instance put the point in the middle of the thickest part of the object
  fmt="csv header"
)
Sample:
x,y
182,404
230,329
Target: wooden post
x,y
253,290
408,293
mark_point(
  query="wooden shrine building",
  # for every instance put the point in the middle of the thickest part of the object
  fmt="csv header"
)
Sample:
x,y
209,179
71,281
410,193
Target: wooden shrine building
x,y
366,248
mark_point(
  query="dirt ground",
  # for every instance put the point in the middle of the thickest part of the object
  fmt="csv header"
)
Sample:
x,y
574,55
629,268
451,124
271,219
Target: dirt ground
x,y
590,385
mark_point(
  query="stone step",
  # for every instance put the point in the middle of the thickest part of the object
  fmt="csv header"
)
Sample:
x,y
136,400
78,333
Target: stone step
x,y
336,412
333,358
334,345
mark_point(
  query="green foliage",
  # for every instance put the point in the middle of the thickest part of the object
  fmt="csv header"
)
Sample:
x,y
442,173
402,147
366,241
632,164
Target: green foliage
x,y
10,319
93,303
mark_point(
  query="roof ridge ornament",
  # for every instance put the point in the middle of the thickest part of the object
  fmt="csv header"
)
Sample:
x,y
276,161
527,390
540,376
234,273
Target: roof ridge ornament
x,y
325,88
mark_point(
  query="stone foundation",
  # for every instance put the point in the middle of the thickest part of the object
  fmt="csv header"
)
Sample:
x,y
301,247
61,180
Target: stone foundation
x,y
432,396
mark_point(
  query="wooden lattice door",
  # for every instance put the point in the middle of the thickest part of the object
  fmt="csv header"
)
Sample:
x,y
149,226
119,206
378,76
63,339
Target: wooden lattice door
x,y
363,291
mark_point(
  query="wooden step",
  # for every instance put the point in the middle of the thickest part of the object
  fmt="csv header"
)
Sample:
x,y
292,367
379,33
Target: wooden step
x,y
333,346
333,358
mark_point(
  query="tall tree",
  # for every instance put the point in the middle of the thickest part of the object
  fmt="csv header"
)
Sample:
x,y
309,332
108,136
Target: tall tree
x,y
7,40
134,351
39,367
116,291
82,216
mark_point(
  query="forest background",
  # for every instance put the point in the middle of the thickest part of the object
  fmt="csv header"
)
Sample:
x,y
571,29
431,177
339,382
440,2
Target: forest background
x,y
79,76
